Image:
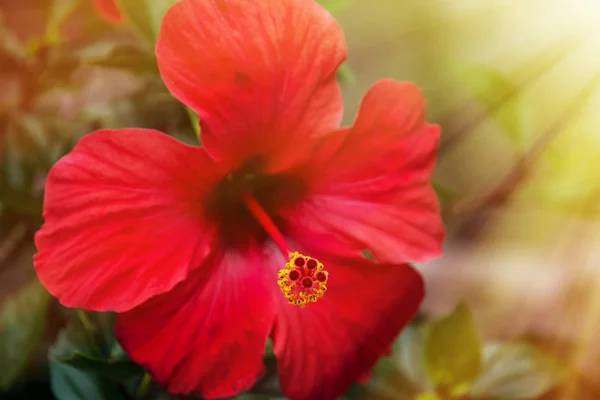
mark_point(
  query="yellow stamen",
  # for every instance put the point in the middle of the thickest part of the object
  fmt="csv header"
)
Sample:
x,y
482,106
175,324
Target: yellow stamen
x,y
303,280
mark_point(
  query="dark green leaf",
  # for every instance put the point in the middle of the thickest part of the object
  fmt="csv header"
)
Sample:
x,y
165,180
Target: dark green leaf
x,y
502,99
115,369
22,320
69,383
453,351
514,371
73,339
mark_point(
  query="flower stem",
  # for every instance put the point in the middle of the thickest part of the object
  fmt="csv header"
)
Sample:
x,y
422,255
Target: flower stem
x,y
195,121
141,390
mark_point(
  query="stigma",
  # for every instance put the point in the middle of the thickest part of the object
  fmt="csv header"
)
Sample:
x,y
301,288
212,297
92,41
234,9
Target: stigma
x,y
303,280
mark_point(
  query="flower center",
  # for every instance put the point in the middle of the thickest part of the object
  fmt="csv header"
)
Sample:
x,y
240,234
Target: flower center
x,y
237,228
303,279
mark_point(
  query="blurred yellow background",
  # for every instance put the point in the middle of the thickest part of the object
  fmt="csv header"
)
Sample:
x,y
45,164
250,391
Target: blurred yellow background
x,y
523,247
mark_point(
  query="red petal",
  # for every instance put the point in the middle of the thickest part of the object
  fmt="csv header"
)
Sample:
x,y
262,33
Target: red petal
x,y
123,219
371,183
109,10
326,346
207,336
260,74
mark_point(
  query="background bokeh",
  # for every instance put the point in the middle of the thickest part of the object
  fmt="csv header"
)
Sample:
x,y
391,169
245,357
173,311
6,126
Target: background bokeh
x,y
513,307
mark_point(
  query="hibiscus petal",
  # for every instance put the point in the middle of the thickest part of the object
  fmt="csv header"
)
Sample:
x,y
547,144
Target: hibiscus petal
x,y
370,184
123,219
109,10
207,336
260,74
326,346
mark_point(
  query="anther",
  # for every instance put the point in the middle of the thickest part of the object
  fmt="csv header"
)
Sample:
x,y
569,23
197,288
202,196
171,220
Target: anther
x,y
304,280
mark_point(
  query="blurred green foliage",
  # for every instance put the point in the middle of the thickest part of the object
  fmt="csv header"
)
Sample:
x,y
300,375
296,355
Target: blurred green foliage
x,y
79,363
22,318
453,352
444,358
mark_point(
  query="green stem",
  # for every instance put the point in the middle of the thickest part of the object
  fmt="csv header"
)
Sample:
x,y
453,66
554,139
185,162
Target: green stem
x,y
141,390
195,121
345,75
85,321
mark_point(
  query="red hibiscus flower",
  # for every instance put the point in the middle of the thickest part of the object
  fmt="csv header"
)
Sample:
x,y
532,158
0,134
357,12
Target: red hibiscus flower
x,y
109,10
205,252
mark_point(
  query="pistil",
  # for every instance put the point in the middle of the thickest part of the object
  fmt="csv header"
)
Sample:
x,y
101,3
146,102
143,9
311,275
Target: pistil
x,y
303,280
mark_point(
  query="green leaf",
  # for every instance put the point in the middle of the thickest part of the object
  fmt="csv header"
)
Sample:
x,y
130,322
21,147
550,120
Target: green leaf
x,y
502,99
70,383
515,371
409,352
401,376
22,320
145,16
111,368
453,351
73,339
